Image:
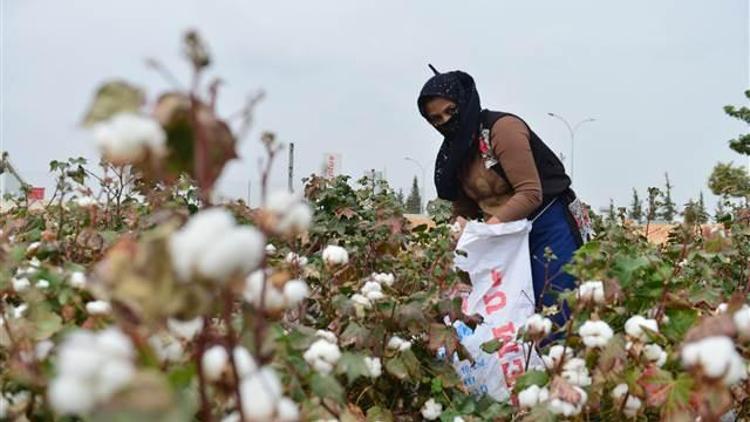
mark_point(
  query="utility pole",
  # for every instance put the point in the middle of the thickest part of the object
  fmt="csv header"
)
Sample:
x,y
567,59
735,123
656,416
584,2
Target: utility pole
x,y
572,131
291,167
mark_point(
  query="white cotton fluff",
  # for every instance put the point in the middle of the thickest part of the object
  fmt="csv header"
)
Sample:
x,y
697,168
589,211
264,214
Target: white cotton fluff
x,y
576,373
538,326
322,355
244,361
372,291
431,410
532,395
21,285
293,215
633,403
329,336
552,358
722,308
19,311
91,367
185,330
261,393
126,137
287,410
295,291
742,321
98,307
86,201
42,349
374,367
384,278
273,299
215,360
595,334
33,246
202,231
294,259
335,255
399,344
166,347
42,284
270,249
717,357
361,300
655,354
559,406
77,280
34,263
634,327
237,252
591,292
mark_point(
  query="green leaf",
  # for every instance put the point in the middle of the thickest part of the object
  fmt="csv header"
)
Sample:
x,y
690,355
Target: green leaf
x,y
353,365
46,323
181,376
112,98
378,414
530,378
326,387
397,368
680,321
491,346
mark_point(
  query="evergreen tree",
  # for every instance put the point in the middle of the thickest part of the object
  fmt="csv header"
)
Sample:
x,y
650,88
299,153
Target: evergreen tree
x,y
653,204
668,207
636,210
414,201
400,197
728,180
702,212
611,213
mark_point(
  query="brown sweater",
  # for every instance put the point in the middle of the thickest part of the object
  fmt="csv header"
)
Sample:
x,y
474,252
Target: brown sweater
x,y
486,190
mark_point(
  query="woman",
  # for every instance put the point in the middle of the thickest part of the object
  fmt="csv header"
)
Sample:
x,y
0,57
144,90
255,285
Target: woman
x,y
492,165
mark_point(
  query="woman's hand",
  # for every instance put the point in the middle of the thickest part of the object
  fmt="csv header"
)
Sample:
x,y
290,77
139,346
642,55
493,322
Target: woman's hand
x,y
494,220
458,227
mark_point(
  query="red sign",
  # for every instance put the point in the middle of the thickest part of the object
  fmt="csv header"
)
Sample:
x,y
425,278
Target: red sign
x,y
36,194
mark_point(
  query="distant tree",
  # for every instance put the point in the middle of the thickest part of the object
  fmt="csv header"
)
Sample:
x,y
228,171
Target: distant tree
x,y
400,196
702,213
690,214
414,201
653,204
728,180
611,212
636,210
668,207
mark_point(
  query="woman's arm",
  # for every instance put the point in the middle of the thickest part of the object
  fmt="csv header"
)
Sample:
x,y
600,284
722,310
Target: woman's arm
x,y
512,147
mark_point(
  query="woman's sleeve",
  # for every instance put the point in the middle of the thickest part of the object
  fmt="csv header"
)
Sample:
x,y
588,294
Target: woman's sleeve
x,y
512,147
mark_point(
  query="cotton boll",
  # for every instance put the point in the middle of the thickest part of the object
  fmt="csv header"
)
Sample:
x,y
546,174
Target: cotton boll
x,y
280,201
717,357
538,326
295,291
42,349
595,334
322,355
329,336
114,343
274,299
552,359
21,285
296,220
294,259
742,321
591,292
335,255
98,307
42,284
214,362
261,394
397,343
636,325
70,396
654,353
532,395
287,410
188,245
244,362
384,278
113,375
125,137
185,330
77,280
431,410
166,347
270,249
361,300
374,367
236,252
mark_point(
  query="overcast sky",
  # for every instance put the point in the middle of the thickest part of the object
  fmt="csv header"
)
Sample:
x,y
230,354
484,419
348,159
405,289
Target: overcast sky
x,y
342,76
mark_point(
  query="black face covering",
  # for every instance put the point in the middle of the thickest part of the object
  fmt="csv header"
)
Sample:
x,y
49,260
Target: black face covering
x,y
458,132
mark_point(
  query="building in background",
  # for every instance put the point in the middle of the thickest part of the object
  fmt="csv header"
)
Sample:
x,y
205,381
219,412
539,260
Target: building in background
x,y
331,165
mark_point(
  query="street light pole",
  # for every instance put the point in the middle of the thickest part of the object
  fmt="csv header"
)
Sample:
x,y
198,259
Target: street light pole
x,y
572,131
422,198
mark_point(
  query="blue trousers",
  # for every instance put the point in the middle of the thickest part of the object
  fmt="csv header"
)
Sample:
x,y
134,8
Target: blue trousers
x,y
553,228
